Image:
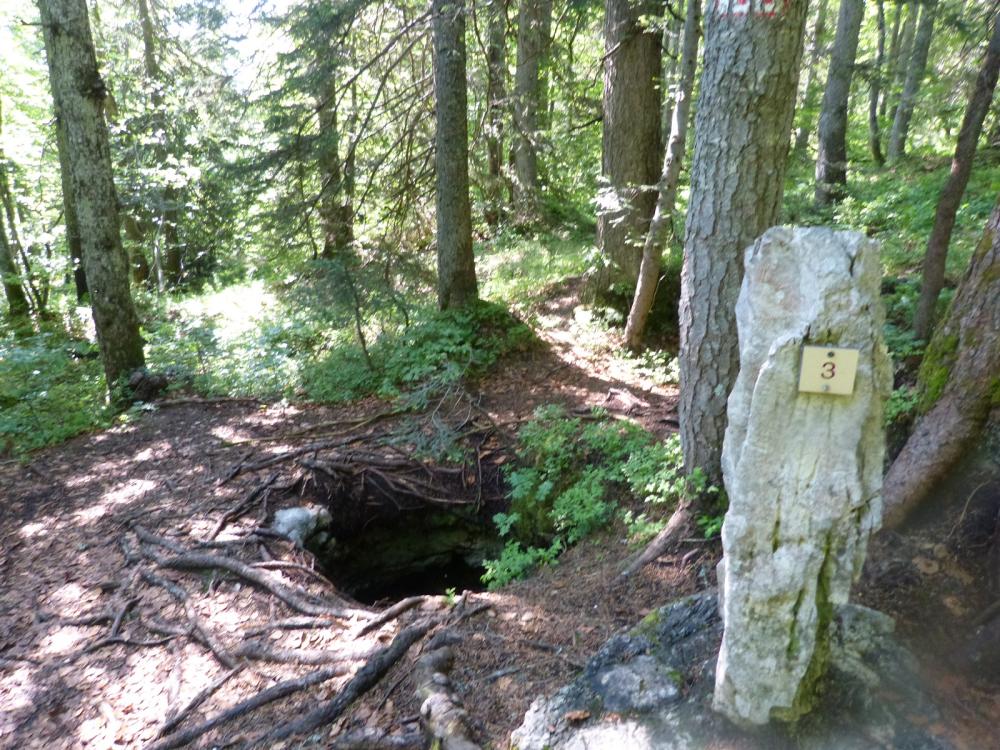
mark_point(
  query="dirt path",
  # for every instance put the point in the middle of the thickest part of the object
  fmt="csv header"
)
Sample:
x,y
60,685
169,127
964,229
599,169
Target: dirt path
x,y
97,646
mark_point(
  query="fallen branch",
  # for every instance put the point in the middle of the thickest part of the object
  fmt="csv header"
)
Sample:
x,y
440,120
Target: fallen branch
x,y
444,717
679,523
174,718
295,623
392,613
366,678
289,595
261,651
231,515
271,694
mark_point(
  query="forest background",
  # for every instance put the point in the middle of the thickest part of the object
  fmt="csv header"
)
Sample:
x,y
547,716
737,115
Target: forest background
x,y
275,173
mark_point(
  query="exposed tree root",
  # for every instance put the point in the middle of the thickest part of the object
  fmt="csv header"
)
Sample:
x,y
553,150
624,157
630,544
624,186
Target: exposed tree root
x,y
365,679
174,718
271,694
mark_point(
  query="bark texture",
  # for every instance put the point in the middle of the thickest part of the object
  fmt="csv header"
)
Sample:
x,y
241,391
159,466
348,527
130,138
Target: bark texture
x,y
915,71
901,54
630,147
742,126
17,302
496,84
532,43
953,190
10,278
656,237
811,96
456,265
69,212
831,162
79,93
875,87
959,380
336,209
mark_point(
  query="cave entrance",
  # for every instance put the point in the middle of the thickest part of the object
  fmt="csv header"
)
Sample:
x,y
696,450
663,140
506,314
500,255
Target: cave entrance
x,y
432,551
400,528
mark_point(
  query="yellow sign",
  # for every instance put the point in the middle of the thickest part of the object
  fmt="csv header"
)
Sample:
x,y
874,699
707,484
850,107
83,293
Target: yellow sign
x,y
827,369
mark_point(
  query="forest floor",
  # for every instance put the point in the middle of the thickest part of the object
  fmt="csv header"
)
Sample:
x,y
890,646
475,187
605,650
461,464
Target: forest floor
x,y
106,633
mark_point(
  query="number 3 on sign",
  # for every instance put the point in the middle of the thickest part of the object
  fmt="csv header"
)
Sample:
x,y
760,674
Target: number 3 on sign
x,y
827,369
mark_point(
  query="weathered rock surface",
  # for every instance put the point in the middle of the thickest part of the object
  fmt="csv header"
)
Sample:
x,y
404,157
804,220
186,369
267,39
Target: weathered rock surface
x,y
651,689
803,471
301,523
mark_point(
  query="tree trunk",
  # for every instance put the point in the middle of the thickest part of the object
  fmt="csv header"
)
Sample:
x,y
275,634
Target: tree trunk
x,y
168,214
531,44
811,95
630,155
914,77
336,212
831,162
901,57
456,264
69,213
10,278
17,302
890,64
656,237
875,88
958,381
673,33
744,116
79,93
954,188
496,75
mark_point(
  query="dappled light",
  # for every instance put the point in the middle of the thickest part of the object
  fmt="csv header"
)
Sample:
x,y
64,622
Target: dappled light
x,y
537,374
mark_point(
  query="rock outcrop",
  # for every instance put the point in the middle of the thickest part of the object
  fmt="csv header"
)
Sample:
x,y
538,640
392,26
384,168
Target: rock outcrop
x,y
651,689
803,470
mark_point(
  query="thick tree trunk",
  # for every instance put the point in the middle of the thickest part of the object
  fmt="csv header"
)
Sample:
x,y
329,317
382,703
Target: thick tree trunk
x,y
531,46
69,213
78,93
831,162
958,380
744,116
915,71
496,76
875,87
656,237
953,190
630,156
173,262
456,264
811,96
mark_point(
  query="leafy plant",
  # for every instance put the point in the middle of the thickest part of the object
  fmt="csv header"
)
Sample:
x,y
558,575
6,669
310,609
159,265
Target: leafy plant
x,y
571,472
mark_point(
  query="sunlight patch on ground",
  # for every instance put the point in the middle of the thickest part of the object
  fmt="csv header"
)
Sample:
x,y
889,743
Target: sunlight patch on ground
x,y
235,310
131,490
34,529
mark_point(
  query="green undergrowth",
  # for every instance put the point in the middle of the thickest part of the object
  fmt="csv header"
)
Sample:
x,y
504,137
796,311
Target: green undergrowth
x,y
51,388
573,473
436,350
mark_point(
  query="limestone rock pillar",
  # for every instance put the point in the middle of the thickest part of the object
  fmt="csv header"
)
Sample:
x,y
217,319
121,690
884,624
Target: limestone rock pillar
x,y
803,470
